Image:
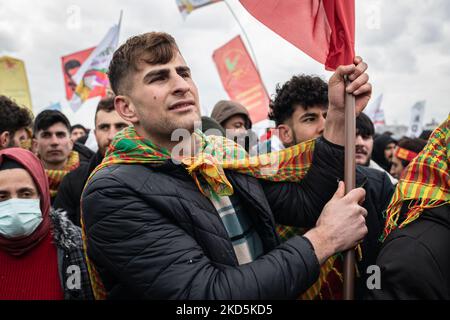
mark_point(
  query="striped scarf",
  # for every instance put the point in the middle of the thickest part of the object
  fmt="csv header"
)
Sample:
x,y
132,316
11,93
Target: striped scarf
x,y
212,154
425,183
55,176
330,284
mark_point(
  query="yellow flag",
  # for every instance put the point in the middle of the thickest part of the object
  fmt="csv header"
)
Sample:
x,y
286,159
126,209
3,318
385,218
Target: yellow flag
x,y
14,82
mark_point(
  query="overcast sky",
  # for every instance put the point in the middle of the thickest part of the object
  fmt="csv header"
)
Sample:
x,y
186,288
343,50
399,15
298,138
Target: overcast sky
x,y
405,42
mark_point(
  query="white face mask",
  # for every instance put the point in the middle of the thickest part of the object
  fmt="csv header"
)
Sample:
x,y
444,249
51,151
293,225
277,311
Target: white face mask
x,y
19,217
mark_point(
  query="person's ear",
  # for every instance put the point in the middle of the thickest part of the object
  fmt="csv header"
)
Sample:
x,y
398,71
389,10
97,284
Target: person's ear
x,y
34,146
5,138
126,109
286,134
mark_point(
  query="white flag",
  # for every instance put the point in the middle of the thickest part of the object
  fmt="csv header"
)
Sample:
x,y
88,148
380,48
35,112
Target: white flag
x,y
187,6
375,111
91,78
417,117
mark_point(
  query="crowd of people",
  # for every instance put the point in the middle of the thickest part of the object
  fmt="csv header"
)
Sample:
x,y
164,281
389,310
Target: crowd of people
x,y
219,214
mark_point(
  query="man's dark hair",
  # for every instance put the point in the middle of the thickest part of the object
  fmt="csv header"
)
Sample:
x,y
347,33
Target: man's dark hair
x,y
151,48
106,104
412,144
13,117
48,118
303,90
78,126
364,126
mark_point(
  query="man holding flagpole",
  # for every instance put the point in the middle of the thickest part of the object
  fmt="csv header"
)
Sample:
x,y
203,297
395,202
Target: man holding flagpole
x,y
165,223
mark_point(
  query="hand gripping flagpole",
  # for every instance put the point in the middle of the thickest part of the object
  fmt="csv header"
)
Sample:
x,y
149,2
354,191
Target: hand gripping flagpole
x,y
350,182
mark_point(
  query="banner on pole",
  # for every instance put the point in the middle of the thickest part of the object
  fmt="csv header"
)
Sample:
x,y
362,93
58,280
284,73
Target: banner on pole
x,y
14,81
417,118
375,111
240,78
70,65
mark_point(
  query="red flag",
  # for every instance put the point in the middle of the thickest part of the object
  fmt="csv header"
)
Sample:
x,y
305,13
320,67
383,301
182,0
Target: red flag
x,y
241,79
70,64
323,29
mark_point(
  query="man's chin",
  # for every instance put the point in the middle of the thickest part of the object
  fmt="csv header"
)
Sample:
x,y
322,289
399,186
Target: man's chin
x,y
55,162
188,122
362,161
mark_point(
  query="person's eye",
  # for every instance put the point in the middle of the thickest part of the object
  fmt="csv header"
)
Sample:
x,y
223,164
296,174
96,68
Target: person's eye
x,y
309,119
157,79
185,74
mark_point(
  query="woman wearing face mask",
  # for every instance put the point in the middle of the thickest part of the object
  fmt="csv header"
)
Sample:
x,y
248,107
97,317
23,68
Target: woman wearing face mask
x,y
41,253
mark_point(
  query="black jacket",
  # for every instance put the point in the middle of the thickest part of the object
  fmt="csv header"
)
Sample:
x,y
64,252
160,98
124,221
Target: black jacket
x,y
84,152
69,192
379,190
152,234
415,260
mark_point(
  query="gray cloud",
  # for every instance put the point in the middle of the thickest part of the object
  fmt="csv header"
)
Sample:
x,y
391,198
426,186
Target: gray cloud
x,y
9,44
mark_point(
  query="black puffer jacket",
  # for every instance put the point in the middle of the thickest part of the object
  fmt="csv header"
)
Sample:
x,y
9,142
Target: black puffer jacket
x,y
152,234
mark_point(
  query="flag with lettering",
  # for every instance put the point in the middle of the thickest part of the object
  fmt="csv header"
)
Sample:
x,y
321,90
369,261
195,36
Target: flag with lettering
x,y
323,29
241,79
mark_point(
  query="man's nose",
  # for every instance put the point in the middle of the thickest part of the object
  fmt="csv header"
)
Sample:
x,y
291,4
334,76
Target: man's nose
x,y
358,140
181,86
54,140
112,134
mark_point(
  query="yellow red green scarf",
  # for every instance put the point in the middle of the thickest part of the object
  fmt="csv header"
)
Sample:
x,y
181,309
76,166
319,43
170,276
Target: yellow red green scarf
x,y
214,154
425,183
55,176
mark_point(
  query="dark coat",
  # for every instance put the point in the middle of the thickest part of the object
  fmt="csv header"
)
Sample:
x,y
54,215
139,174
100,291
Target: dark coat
x,y
152,234
379,191
84,152
415,260
69,192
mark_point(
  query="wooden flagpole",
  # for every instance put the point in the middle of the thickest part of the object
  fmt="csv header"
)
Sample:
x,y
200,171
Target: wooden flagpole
x,y
350,182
